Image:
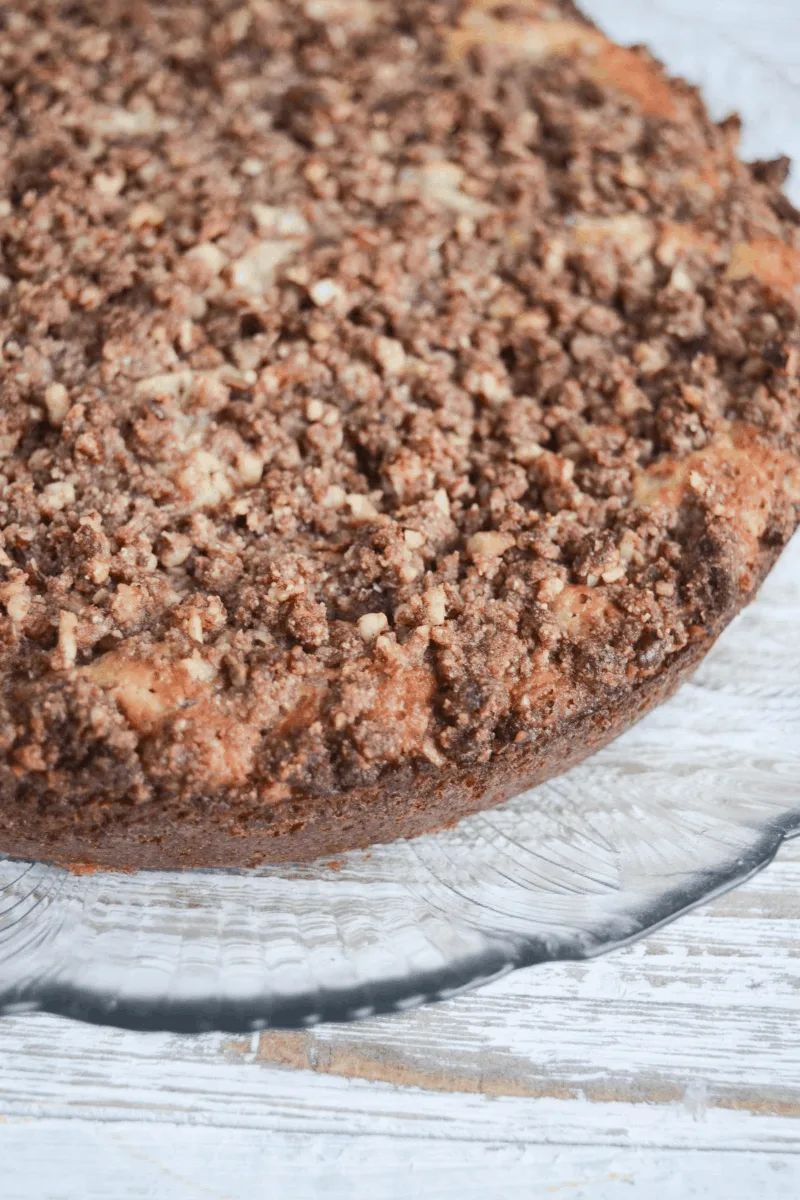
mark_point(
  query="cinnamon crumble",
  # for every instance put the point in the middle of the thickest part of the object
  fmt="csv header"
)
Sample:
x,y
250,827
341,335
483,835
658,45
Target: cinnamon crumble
x,y
397,398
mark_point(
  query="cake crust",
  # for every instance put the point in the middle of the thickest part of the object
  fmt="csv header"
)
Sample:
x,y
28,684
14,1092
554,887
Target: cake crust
x,y
397,402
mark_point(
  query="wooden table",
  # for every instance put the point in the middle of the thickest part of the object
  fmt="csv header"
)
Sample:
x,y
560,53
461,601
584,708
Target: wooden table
x,y
667,1069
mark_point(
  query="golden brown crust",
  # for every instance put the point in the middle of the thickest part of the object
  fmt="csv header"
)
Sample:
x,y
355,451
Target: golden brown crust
x,y
376,440
528,32
406,804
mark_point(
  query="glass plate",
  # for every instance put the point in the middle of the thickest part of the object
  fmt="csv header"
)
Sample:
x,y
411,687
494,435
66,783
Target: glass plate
x,y
692,801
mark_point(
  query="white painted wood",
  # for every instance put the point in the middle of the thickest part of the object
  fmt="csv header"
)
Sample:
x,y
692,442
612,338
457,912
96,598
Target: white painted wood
x,y
669,1064
184,1164
668,1069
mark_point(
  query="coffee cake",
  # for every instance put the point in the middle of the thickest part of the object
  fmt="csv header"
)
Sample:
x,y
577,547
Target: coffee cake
x,y
397,401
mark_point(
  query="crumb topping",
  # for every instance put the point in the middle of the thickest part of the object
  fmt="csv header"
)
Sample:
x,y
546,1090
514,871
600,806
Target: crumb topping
x,y
381,382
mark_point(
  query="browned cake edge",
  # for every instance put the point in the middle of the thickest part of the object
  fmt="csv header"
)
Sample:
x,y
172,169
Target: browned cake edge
x,y
406,803
410,798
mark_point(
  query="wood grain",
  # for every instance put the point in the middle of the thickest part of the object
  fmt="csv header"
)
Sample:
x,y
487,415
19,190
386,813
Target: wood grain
x,y
158,1162
674,1058
668,1069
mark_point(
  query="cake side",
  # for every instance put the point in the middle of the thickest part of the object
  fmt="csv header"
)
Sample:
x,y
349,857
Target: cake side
x,y
398,400
407,802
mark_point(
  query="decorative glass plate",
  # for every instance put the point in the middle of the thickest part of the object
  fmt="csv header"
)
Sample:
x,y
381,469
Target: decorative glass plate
x,y
692,801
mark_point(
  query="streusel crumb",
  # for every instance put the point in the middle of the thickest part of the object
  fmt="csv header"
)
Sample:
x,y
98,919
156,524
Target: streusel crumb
x,y
387,388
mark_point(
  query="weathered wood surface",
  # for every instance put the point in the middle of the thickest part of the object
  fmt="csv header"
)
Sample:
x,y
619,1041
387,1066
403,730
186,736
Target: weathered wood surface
x,y
669,1069
674,1059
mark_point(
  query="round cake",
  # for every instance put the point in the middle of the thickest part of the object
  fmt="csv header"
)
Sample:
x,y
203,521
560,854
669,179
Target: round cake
x,y
398,398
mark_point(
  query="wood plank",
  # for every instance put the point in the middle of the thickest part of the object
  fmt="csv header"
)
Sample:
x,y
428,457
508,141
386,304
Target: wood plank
x,y
182,1163
674,1016
684,1041
670,1066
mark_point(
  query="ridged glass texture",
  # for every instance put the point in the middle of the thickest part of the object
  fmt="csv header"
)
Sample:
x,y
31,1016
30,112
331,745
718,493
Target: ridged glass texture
x,y
692,801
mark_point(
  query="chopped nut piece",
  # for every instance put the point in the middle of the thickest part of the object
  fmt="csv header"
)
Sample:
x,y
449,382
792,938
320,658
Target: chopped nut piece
x,y
408,572
490,544
16,596
528,453
284,222
254,272
57,496
335,497
361,507
435,601
160,386
250,467
681,280
325,292
109,184
145,214
57,403
203,480
98,570
66,653
175,549
549,589
390,355
651,357
371,625
432,753
127,605
209,255
441,184
194,627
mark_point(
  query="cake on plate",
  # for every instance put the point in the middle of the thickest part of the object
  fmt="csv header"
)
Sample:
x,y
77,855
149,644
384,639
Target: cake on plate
x,y
397,401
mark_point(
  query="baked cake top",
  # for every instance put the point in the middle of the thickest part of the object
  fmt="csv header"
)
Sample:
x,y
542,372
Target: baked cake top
x,y
382,382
